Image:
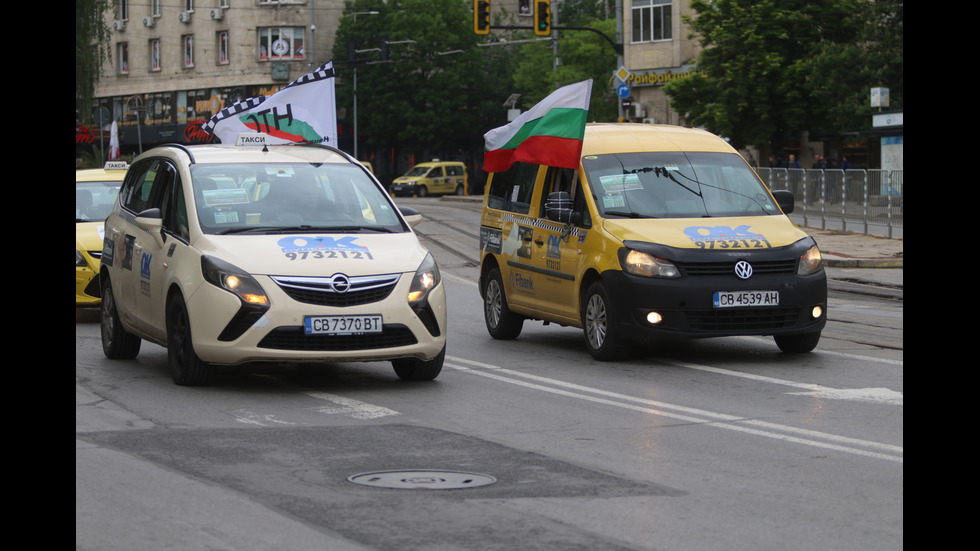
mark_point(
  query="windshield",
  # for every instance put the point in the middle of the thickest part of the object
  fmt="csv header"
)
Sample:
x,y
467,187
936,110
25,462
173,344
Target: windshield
x,y
418,171
94,200
260,198
676,185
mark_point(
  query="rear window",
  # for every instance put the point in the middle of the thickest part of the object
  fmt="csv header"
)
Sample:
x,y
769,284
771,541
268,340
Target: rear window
x,y
676,185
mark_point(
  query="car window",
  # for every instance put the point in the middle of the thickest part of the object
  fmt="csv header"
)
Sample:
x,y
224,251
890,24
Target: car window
x,y
454,170
436,172
94,200
511,190
270,197
676,185
139,185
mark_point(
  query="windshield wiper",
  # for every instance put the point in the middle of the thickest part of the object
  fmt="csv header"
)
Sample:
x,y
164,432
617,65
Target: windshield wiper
x,y
304,229
629,214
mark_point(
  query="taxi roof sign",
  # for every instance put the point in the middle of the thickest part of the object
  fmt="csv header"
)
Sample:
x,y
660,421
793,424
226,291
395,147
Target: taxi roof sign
x,y
254,139
116,165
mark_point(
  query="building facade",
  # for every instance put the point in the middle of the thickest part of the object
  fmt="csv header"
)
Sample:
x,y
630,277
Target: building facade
x,y
177,62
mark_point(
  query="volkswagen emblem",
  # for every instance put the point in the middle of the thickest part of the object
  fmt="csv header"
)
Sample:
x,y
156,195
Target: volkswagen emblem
x,y
341,283
743,269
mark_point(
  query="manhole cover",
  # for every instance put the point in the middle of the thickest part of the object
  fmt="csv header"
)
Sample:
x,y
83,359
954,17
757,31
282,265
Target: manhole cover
x,y
422,480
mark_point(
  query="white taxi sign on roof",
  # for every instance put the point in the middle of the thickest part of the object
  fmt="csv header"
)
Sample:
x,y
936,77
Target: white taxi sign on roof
x,y
116,165
254,139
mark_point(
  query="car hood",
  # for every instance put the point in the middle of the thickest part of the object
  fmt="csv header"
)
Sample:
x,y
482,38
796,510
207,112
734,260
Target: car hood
x,y
695,233
317,254
88,236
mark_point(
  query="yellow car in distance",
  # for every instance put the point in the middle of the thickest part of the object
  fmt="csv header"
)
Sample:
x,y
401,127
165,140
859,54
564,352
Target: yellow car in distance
x,y
95,194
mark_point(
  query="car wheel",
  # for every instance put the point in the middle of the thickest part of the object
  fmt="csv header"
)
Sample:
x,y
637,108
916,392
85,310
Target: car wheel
x,y
414,369
423,191
501,322
460,190
117,344
185,367
601,338
797,344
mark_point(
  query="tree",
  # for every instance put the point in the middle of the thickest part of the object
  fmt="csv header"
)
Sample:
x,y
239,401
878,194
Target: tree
x,y
92,49
436,88
583,55
768,69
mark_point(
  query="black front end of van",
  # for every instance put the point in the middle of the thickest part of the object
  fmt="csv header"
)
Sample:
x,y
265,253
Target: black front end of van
x,y
720,292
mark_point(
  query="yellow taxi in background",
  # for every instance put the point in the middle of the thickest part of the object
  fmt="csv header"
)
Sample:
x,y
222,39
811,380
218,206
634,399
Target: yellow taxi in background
x,y
432,178
95,193
236,254
662,231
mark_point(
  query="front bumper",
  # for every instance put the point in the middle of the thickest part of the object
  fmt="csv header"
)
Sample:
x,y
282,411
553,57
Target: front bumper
x,y
686,304
277,335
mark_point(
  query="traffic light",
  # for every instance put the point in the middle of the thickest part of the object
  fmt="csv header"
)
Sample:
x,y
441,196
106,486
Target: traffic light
x,y
542,17
481,16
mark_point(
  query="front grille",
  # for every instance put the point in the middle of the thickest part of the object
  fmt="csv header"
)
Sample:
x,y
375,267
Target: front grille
x,y
321,291
295,338
736,320
768,267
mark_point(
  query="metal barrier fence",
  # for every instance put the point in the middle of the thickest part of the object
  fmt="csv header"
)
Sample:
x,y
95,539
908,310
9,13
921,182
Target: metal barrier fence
x,y
843,199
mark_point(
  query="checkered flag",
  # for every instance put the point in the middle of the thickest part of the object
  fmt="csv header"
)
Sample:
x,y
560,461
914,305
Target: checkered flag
x,y
304,111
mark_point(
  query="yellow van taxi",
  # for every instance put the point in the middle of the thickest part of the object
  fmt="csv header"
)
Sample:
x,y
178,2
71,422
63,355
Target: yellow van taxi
x,y
432,178
662,231
95,194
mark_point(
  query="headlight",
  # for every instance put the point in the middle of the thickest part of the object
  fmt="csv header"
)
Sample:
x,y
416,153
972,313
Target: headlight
x,y
810,261
646,265
426,278
80,259
234,280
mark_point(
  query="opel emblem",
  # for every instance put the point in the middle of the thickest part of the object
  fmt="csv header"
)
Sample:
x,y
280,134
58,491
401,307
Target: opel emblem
x,y
743,269
340,283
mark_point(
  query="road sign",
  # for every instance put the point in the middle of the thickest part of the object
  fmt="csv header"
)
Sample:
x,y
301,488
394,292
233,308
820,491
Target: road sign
x,y
622,74
623,90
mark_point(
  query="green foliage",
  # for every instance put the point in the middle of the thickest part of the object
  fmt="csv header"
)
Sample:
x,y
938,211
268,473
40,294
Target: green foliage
x,y
92,49
770,68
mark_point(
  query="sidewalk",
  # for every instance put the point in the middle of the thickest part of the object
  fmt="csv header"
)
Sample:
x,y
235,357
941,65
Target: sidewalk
x,y
856,261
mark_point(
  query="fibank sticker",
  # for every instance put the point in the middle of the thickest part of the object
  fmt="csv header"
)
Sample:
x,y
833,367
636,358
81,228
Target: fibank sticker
x,y
726,237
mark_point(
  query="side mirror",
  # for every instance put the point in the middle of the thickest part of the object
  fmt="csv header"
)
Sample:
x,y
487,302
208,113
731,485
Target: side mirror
x,y
784,199
412,216
152,221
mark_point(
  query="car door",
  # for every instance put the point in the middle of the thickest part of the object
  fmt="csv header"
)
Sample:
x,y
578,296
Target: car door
x,y
437,180
554,249
129,240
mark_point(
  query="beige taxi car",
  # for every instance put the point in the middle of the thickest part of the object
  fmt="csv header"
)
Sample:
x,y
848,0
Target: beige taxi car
x,y
662,231
432,178
231,255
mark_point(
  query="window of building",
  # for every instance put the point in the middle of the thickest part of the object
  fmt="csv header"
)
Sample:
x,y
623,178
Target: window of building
x,y
652,20
155,54
188,41
122,51
281,43
223,48
123,14
155,8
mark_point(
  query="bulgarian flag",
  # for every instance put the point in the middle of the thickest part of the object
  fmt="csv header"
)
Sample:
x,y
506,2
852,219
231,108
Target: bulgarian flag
x,y
550,133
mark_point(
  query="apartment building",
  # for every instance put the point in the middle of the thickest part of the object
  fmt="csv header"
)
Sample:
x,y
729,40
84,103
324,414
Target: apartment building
x,y
177,62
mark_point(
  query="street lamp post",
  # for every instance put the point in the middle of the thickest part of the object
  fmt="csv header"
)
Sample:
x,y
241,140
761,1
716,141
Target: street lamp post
x,y
355,78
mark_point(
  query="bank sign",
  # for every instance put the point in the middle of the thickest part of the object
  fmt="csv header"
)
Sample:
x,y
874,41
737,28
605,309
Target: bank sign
x,y
659,77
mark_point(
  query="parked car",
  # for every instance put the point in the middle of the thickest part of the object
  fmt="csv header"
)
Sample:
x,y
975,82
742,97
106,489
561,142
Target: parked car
x,y
95,193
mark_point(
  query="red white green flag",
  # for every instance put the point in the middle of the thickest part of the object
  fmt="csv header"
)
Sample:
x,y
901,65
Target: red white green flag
x,y
550,133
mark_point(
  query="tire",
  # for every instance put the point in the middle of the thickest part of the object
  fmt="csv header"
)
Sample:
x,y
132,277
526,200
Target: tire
x,y
501,323
117,344
414,369
185,367
797,344
423,191
460,190
601,338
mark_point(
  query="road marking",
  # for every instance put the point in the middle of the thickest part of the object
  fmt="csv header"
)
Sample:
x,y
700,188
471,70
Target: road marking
x,y
730,422
350,407
873,395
